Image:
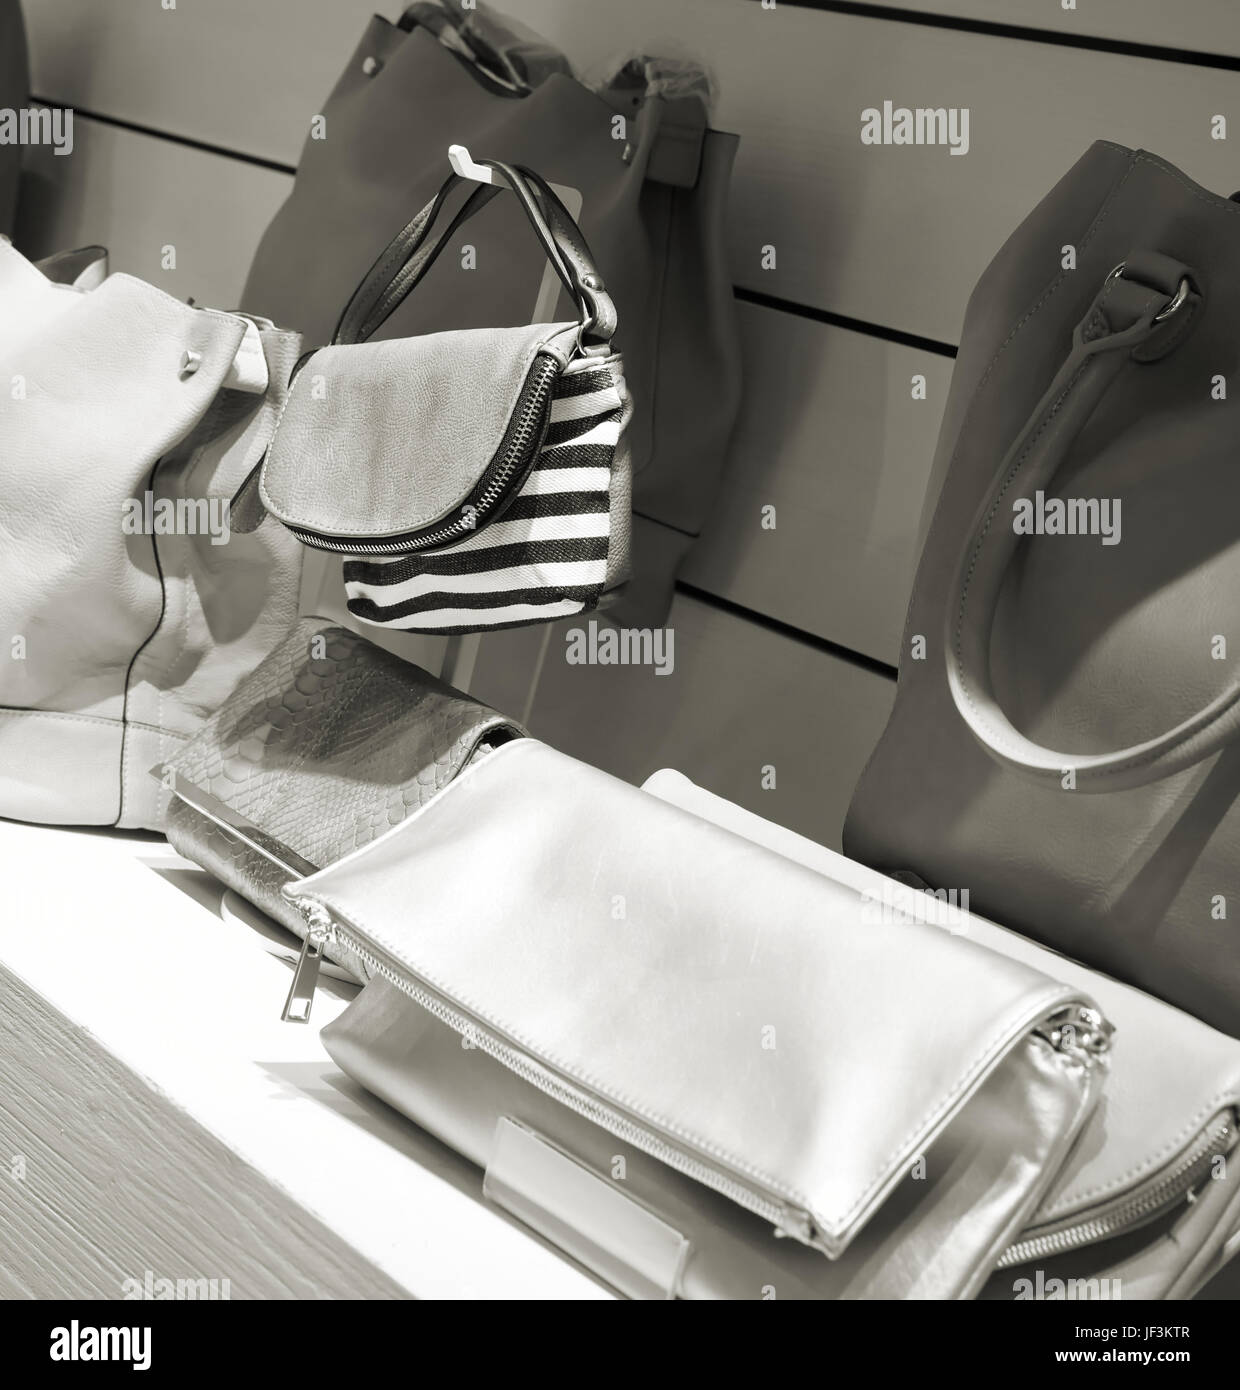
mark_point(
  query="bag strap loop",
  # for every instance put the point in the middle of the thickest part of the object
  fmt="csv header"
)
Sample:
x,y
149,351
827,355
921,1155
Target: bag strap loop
x,y
412,251
1145,308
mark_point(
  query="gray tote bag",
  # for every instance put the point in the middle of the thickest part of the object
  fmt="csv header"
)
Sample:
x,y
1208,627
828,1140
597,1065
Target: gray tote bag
x,y
1065,741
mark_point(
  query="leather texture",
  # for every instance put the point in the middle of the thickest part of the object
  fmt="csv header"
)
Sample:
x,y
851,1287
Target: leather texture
x,y
133,636
14,95
711,991
659,248
1093,648
1169,1076
329,743
379,439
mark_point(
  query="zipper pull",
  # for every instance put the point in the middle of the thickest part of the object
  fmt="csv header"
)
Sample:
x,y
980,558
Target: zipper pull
x,y
320,929
1079,1032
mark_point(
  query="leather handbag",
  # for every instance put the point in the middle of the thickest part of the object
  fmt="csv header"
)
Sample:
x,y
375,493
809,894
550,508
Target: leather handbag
x,y
128,608
481,477
14,96
1064,737
654,204
1148,1204
666,1044
327,744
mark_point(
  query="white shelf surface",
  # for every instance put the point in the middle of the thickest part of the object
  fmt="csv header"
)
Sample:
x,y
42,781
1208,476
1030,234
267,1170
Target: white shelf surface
x,y
167,1120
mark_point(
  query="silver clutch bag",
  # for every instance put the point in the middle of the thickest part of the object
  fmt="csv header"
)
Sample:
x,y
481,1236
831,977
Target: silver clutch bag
x,y
667,1046
1148,1204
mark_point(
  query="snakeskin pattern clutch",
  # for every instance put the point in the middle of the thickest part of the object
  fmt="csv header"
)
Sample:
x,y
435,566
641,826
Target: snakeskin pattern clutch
x,y
324,746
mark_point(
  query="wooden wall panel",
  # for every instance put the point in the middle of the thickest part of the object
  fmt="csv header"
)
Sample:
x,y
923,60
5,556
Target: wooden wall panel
x,y
889,235
137,194
739,698
832,437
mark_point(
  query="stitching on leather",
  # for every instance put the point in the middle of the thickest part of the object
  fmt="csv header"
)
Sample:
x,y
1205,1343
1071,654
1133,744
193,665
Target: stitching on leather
x,y
59,714
1017,464
1228,1096
309,521
1203,195
995,732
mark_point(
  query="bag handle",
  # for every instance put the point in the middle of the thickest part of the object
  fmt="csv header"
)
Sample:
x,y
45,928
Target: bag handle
x,y
1144,310
411,253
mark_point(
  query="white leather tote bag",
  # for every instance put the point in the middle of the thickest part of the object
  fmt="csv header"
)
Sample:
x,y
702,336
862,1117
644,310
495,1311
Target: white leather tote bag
x,y
128,609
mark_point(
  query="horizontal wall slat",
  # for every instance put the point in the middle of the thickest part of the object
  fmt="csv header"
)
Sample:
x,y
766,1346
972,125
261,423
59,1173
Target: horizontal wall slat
x,y
831,437
889,235
739,698
137,195
1203,26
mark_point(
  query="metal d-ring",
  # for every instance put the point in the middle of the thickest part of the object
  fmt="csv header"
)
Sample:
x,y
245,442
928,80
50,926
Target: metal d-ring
x,y
1176,301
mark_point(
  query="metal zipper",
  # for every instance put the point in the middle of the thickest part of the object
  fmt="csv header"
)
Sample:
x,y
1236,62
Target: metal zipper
x,y
516,455
1179,1183
1077,1032
787,1220
319,931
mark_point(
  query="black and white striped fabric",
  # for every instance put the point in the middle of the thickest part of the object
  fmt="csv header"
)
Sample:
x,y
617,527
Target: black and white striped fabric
x,y
546,556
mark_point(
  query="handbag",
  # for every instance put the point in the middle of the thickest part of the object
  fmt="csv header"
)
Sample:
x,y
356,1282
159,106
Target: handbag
x,y
482,474
319,750
14,96
128,607
666,1044
654,204
1147,1205
1064,736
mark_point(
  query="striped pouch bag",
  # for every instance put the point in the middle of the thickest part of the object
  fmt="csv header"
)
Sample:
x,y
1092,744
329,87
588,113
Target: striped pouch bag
x,y
470,480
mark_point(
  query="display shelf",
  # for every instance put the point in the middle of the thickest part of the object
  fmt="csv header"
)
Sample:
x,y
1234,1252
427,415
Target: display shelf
x,y
157,1118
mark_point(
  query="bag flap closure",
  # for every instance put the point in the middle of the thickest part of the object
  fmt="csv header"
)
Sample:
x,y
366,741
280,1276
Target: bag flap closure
x,y
377,439
739,1005
1170,1074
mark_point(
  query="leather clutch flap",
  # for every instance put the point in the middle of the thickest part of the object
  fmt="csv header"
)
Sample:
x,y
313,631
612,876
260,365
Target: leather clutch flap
x,y
1149,1199
381,446
728,1013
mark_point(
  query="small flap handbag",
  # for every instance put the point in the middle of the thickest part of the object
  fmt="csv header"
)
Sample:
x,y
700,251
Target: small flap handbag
x,y
654,189
476,479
